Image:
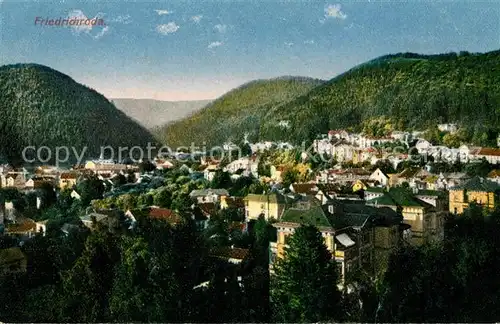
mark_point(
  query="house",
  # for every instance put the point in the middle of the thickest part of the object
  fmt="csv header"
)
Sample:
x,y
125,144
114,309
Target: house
x,y
492,155
342,151
478,190
423,146
154,212
249,164
231,254
270,205
494,176
379,176
92,219
75,195
450,128
208,195
232,202
22,228
426,221
12,261
310,189
200,214
449,180
162,164
277,172
373,192
41,227
409,175
438,199
338,134
67,180
209,171
346,226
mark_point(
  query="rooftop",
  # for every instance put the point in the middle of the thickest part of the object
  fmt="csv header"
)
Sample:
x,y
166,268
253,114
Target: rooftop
x,y
478,184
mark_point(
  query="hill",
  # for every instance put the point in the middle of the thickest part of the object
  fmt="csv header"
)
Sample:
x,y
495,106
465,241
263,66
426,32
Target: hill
x,y
40,106
408,90
151,113
239,111
412,91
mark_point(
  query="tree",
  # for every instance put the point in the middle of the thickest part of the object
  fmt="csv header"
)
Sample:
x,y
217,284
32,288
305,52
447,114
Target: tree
x,y
163,198
119,180
221,180
90,188
146,166
47,194
246,150
290,176
304,287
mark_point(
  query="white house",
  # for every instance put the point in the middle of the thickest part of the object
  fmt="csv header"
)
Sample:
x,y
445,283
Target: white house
x,y
423,146
452,128
492,155
379,176
208,195
249,164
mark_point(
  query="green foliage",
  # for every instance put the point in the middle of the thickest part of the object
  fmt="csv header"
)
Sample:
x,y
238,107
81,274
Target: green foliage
x,y
416,91
456,281
240,111
90,188
40,106
304,288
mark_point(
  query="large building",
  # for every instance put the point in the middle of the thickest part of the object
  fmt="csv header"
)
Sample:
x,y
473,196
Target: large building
x,y
354,233
478,190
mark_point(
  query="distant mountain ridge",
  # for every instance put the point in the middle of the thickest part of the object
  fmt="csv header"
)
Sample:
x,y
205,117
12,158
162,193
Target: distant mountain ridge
x,y
412,91
151,113
237,113
40,106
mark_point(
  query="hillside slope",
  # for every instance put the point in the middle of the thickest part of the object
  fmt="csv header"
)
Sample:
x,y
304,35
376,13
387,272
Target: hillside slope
x,y
151,113
414,91
41,106
236,113
411,91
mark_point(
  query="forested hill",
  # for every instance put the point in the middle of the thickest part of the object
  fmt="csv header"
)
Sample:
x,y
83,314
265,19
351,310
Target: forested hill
x,y
41,106
239,111
414,91
411,91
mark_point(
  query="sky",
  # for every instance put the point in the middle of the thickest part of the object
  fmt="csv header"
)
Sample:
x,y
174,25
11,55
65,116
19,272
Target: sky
x,y
191,50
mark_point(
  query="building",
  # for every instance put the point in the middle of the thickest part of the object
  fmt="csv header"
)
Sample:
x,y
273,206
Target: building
x,y
379,176
348,228
426,221
478,190
492,155
208,195
67,180
270,205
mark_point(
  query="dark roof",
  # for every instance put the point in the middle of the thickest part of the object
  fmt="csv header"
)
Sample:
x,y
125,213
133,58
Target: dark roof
x,y
235,202
208,208
11,255
478,184
305,188
399,197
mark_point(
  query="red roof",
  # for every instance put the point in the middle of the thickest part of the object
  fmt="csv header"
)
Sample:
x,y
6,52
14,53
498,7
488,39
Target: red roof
x,y
68,175
164,214
489,151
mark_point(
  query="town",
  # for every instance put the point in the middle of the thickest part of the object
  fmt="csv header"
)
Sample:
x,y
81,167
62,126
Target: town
x,y
366,201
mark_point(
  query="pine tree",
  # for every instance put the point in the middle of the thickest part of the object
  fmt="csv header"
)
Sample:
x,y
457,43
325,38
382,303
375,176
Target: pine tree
x,y
304,286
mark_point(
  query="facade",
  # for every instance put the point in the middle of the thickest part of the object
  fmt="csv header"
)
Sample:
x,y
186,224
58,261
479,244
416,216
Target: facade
x,y
426,221
271,205
348,228
478,190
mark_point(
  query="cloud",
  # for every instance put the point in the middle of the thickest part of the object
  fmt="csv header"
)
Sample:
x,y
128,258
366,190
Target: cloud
x,y
310,41
335,11
78,14
163,12
166,29
104,31
220,28
86,29
126,19
197,18
214,44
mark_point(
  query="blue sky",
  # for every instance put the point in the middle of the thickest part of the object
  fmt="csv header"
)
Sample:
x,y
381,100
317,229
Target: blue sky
x,y
187,50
